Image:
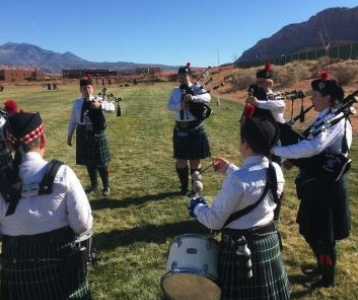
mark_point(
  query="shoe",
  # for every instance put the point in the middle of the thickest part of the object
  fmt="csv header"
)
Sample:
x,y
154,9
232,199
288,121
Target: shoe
x,y
91,189
311,272
184,191
321,283
190,194
106,191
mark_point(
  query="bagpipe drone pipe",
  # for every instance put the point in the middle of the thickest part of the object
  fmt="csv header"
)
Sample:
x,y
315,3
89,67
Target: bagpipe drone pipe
x,y
108,100
3,120
326,164
95,114
259,93
198,109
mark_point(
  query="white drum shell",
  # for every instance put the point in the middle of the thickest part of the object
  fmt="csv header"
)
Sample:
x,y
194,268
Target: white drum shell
x,y
192,271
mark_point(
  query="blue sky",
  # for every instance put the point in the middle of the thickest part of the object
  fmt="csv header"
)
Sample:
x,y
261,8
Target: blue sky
x,y
153,31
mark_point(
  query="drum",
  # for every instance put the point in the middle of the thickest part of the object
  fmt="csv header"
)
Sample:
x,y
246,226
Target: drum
x,y
191,272
85,240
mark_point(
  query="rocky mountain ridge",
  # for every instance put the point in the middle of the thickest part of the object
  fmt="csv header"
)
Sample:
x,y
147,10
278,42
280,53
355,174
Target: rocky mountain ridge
x,y
27,56
328,28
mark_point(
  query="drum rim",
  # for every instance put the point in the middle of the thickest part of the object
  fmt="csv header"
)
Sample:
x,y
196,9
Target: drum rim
x,y
201,236
191,272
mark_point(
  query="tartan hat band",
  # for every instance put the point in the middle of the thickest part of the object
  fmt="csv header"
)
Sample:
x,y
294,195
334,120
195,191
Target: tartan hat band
x,y
28,137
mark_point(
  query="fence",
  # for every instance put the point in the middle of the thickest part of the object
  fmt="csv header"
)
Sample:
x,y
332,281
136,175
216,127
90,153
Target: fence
x,y
347,51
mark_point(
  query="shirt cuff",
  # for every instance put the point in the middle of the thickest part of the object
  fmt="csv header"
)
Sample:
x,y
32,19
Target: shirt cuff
x,y
231,168
197,208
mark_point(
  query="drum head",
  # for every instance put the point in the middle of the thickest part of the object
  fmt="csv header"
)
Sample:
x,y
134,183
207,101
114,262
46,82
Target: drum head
x,y
186,286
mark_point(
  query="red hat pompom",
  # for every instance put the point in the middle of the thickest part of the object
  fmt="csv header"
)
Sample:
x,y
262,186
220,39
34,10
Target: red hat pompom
x,y
11,107
249,110
267,67
325,75
89,76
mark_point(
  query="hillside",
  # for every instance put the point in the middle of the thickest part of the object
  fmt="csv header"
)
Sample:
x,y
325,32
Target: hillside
x,y
30,56
330,27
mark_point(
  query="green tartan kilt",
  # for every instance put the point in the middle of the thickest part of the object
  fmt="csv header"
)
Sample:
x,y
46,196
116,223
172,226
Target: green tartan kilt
x,y
91,148
323,212
269,281
191,144
38,280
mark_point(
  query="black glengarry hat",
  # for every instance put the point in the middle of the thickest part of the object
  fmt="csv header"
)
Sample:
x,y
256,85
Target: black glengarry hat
x,y
86,81
261,133
327,86
185,70
265,73
24,128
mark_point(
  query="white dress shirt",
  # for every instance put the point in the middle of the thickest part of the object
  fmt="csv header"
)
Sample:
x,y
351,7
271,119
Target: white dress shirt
x,y
174,103
275,106
329,139
242,187
66,206
75,118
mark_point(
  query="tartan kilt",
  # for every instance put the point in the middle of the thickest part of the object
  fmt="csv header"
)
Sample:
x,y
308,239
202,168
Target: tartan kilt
x,y
269,281
5,156
191,144
91,148
37,280
323,213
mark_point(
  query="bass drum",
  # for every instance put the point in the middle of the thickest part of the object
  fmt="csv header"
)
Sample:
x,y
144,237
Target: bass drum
x,y
191,272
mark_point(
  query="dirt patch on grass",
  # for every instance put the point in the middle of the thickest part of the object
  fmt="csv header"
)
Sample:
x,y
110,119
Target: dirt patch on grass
x,y
293,108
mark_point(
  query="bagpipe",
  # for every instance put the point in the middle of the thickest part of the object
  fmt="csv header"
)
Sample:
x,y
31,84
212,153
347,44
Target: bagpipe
x,y
3,113
328,165
259,92
109,100
3,120
96,115
200,110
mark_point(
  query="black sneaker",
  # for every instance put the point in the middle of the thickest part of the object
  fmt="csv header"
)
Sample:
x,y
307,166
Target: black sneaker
x,y
321,283
91,189
106,191
191,194
311,272
184,191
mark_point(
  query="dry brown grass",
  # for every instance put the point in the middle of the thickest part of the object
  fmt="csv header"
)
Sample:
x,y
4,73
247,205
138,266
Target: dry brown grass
x,y
296,75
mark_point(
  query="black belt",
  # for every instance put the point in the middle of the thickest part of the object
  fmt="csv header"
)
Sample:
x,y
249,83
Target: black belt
x,y
188,125
61,234
83,128
14,260
57,234
228,235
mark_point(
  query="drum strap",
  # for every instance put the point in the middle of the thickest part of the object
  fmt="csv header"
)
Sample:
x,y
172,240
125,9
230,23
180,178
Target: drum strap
x,y
12,192
271,183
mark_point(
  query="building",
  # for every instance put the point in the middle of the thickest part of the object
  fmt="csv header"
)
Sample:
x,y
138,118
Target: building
x,y
80,73
18,75
147,70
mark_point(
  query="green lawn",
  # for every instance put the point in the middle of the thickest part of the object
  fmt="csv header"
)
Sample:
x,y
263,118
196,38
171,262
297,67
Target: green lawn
x,y
136,225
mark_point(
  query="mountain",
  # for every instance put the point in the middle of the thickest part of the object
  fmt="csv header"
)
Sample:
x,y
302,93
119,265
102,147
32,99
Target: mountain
x,y
30,56
332,26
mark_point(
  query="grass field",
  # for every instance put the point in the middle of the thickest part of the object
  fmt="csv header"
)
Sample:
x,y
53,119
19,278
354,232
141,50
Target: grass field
x,y
135,226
